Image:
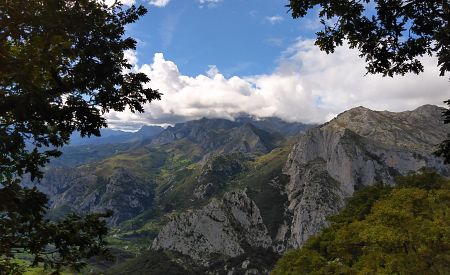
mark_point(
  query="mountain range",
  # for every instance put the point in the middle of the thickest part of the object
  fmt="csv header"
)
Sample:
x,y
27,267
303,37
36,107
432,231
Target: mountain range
x,y
216,196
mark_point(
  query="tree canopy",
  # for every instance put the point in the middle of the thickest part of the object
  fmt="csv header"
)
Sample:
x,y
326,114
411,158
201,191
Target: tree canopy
x,y
390,34
383,230
62,66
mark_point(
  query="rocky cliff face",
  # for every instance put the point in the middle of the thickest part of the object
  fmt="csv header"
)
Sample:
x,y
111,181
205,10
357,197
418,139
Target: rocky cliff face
x,y
358,148
327,164
227,227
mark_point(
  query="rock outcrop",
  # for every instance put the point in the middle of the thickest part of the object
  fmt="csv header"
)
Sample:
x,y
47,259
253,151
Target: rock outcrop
x,y
225,227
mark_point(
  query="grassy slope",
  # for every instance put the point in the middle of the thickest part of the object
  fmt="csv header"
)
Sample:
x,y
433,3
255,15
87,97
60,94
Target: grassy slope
x,y
264,183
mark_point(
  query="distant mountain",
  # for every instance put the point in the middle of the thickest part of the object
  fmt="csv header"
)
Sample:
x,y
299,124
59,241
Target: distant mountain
x,y
110,136
220,136
274,124
194,129
111,142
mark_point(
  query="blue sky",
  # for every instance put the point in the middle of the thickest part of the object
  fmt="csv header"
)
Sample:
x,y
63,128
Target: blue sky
x,y
240,37
222,58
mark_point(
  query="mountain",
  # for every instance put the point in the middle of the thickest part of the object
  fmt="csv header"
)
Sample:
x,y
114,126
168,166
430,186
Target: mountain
x,y
110,136
111,142
80,190
216,196
221,135
358,148
194,129
182,166
275,124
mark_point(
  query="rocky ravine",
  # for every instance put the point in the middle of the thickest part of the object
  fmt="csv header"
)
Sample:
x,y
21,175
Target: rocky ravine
x,y
326,165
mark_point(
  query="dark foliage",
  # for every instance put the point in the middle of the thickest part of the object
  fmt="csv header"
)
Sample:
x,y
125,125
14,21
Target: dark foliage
x,y
444,147
24,230
391,36
62,66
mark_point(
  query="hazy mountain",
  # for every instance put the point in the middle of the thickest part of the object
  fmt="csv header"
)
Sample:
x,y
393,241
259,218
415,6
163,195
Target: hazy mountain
x,y
274,124
110,136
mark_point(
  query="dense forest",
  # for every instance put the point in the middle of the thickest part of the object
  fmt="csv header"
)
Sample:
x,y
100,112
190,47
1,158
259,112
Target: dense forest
x,y
383,230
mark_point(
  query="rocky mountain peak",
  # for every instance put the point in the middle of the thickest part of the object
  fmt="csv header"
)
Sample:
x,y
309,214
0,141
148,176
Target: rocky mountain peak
x,y
420,129
358,148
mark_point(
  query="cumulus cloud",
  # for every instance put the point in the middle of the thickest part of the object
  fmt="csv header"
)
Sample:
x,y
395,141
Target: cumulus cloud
x,y
274,19
307,85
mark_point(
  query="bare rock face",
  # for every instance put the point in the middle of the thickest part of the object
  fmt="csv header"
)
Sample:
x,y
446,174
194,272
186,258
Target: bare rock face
x,y
360,147
224,227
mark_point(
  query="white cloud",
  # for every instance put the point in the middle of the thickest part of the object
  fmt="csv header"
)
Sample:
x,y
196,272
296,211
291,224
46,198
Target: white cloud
x,y
209,3
274,41
253,13
159,3
125,2
307,85
131,56
274,19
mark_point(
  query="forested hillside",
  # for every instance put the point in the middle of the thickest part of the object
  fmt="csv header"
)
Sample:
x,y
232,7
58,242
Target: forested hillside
x,y
383,230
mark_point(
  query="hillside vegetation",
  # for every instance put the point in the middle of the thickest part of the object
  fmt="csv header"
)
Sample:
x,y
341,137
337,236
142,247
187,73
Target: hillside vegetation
x,y
383,230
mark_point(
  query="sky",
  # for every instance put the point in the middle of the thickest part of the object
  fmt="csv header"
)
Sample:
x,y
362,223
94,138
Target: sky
x,y
222,58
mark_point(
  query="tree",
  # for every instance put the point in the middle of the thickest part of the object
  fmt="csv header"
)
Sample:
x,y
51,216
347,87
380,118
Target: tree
x,y
382,230
390,34
56,244
444,147
62,66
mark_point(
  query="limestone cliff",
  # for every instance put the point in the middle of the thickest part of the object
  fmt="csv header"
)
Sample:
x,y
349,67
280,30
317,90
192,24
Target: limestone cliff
x,y
357,148
225,227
